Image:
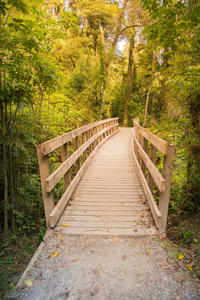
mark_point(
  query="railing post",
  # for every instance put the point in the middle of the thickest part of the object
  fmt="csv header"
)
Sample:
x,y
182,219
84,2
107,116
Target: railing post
x,y
44,174
64,156
99,139
137,121
83,142
88,137
145,144
93,133
164,196
76,146
153,156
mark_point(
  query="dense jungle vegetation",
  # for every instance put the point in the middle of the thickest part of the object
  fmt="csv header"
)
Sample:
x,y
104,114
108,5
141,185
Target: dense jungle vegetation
x,y
64,64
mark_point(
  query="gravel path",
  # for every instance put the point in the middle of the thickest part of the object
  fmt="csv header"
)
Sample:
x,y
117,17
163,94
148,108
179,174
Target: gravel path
x,y
89,267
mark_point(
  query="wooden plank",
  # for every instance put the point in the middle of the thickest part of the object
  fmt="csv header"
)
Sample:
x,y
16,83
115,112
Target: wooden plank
x,y
93,133
58,209
44,173
57,142
76,147
64,157
153,156
54,178
164,197
83,142
153,206
145,145
159,143
158,178
89,137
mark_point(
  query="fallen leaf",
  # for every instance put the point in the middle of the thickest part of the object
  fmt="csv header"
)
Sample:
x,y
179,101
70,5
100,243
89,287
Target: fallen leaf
x,y
36,281
166,267
54,254
124,257
95,291
189,268
46,264
64,294
147,251
77,193
64,225
28,283
162,245
115,239
76,259
137,253
29,273
122,202
180,256
55,269
133,221
21,287
96,272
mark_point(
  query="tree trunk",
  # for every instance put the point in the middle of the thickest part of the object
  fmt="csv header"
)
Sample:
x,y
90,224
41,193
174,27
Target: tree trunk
x,y
150,87
164,68
117,34
129,83
5,179
10,160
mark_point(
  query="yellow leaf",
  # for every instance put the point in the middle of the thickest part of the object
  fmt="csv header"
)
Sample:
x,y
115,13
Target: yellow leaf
x,y
122,202
28,283
147,251
115,239
64,225
189,268
76,259
133,221
180,256
54,254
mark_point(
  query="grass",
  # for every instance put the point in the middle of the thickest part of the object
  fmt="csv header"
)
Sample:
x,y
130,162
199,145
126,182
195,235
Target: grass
x,y
15,254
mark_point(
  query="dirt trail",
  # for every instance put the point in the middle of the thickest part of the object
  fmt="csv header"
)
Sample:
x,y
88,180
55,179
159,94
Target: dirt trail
x,y
105,268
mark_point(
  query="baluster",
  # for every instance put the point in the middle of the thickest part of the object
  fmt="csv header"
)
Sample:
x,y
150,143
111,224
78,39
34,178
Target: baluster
x,y
153,156
145,145
164,196
95,141
64,156
44,174
83,142
76,147
89,136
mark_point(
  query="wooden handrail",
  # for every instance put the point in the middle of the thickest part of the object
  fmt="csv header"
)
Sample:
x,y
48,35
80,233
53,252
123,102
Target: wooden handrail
x,y
143,161
92,137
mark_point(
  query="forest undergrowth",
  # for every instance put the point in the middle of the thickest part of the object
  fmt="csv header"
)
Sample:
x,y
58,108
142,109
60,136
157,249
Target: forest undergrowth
x,y
65,64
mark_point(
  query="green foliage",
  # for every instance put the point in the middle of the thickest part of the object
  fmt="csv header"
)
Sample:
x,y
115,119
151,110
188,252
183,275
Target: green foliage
x,y
188,236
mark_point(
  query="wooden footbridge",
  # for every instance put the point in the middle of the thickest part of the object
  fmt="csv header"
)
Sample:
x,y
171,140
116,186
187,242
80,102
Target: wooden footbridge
x,y
110,176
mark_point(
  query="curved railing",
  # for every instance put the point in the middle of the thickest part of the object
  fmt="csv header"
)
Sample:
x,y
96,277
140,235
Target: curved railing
x,y
86,141
144,142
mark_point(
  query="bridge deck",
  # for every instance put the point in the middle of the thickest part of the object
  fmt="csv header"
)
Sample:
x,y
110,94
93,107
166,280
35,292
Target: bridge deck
x,y
109,199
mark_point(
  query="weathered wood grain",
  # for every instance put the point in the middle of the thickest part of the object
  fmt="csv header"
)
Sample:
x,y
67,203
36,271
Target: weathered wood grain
x,y
58,209
158,178
55,177
159,143
57,142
